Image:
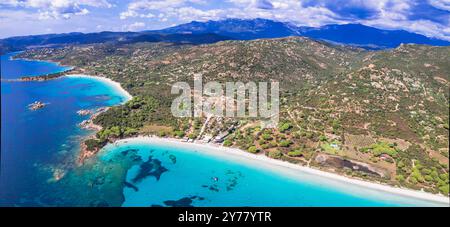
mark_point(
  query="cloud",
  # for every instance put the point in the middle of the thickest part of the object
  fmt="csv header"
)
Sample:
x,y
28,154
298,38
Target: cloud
x,y
440,4
134,26
281,10
18,20
425,27
51,9
263,4
182,11
142,8
428,17
190,14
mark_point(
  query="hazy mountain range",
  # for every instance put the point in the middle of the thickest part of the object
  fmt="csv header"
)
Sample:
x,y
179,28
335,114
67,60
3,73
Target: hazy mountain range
x,y
352,34
232,29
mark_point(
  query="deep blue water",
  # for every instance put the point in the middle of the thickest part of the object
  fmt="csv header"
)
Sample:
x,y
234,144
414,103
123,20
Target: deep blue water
x,y
37,145
21,67
35,142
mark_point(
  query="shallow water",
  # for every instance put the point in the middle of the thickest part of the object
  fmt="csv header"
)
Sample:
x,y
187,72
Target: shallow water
x,y
180,176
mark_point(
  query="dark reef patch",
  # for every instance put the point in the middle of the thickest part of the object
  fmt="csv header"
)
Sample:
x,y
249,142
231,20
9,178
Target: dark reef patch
x,y
125,152
132,186
214,188
173,158
99,180
152,167
230,182
99,203
183,202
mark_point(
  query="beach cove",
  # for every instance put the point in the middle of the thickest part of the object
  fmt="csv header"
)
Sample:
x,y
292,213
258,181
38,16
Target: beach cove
x,y
149,171
232,176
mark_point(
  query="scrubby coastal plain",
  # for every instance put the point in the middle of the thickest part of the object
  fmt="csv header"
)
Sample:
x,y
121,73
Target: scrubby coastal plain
x,y
340,106
357,127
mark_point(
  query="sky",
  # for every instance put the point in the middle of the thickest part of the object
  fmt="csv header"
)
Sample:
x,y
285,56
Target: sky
x,y
29,17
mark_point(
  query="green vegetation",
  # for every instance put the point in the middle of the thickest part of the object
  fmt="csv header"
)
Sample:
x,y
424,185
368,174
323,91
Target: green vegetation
x,y
285,143
327,93
227,143
284,127
179,134
380,148
253,150
332,148
295,153
276,154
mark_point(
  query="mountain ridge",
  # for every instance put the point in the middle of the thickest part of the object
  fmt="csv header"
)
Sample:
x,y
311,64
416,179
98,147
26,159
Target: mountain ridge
x,y
197,32
368,37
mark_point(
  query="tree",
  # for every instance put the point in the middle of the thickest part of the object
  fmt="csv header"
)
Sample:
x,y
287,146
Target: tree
x,y
428,178
266,136
295,153
444,189
130,131
93,144
276,154
253,149
227,143
400,178
116,131
193,135
285,143
284,127
178,134
444,176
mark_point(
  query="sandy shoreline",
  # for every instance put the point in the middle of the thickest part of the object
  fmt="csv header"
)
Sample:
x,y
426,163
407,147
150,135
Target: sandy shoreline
x,y
278,165
68,67
108,81
215,149
89,124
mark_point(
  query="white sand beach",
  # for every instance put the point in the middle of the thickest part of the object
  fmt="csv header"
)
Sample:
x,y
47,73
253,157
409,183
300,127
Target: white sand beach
x,y
352,186
112,83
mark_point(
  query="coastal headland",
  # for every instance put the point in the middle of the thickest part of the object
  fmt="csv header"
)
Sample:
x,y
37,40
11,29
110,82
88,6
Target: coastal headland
x,y
50,76
341,117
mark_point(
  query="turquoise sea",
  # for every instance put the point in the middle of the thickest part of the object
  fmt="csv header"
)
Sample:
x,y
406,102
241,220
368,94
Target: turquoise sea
x,y
37,146
168,174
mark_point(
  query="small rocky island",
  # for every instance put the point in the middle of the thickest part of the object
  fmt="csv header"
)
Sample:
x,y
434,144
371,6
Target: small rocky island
x,y
36,105
84,112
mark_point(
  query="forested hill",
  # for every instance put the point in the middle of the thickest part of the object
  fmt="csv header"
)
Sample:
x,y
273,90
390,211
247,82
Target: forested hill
x,y
378,115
